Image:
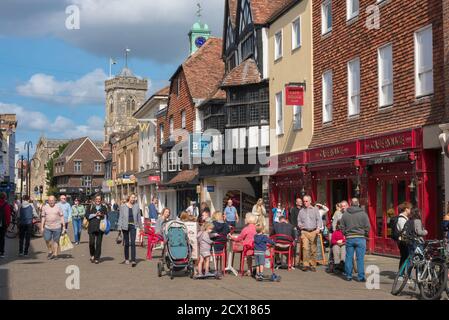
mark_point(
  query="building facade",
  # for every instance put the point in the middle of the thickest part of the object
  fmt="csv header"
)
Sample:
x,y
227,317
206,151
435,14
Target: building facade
x,y
148,175
45,148
125,158
245,144
178,125
79,170
8,125
291,98
378,100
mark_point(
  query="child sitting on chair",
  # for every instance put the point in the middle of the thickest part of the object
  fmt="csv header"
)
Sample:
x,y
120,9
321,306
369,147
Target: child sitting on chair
x,y
260,246
339,247
205,243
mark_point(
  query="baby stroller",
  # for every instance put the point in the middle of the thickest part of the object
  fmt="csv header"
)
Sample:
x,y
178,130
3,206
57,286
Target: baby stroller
x,y
177,252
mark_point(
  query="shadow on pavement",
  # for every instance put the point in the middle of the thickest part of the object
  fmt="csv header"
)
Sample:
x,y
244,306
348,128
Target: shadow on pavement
x,y
12,251
4,288
390,274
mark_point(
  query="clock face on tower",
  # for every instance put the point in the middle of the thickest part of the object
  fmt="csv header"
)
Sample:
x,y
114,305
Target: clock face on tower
x,y
200,41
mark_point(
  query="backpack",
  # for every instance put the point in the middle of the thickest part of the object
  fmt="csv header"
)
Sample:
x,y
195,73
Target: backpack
x,y
408,232
3,215
393,225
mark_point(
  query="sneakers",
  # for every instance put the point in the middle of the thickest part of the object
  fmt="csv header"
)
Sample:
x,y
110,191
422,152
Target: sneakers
x,y
209,274
360,280
259,277
126,261
20,254
313,269
133,264
293,268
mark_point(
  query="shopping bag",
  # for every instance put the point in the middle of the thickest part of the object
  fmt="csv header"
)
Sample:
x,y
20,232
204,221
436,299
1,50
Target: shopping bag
x,y
108,226
103,225
65,243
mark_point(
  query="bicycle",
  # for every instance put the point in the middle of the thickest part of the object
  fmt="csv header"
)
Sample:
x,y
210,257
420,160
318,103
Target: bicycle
x,y
429,263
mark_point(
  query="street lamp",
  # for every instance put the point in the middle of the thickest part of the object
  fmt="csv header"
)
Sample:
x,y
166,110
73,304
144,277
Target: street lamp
x,y
27,147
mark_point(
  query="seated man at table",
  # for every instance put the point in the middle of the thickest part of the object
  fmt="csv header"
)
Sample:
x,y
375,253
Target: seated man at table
x,y
284,228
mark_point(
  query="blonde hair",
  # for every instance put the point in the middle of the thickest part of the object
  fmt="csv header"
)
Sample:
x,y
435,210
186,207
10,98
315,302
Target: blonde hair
x,y
206,226
259,228
250,218
217,216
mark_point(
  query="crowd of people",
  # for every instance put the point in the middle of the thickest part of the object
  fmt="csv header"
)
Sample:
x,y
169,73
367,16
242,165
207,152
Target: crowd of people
x,y
346,229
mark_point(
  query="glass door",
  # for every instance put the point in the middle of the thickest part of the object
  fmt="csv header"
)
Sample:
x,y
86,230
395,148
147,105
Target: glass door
x,y
390,193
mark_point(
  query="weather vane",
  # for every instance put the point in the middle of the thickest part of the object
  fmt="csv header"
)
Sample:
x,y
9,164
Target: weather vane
x,y
198,12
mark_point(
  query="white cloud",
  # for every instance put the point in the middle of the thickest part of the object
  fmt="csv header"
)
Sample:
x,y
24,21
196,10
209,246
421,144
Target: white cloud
x,y
61,127
153,29
88,89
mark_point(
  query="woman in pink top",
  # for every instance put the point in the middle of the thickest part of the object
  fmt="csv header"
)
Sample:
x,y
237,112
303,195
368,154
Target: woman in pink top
x,y
247,236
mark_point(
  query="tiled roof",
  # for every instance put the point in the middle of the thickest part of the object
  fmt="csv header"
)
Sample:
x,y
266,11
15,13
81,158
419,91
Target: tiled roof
x,y
262,10
71,147
163,92
185,176
245,73
204,69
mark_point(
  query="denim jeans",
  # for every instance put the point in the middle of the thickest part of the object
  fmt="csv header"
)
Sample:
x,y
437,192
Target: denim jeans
x,y
359,246
77,229
25,237
129,237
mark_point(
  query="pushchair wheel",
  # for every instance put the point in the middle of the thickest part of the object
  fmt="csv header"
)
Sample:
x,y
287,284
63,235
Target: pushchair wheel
x,y
191,272
159,269
171,274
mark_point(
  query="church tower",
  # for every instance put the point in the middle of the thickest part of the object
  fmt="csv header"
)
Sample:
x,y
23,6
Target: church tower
x,y
199,33
125,93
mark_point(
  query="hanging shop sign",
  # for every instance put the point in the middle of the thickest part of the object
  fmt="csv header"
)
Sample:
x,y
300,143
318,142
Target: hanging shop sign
x,y
154,179
294,95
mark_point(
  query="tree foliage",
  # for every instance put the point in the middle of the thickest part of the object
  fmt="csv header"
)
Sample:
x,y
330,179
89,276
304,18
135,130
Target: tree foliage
x,y
49,168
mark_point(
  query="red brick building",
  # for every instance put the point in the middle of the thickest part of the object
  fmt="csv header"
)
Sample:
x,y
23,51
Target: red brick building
x,y
389,145
193,82
378,99
79,170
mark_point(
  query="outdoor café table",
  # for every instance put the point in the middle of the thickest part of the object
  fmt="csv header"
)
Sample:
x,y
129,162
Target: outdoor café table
x,y
231,252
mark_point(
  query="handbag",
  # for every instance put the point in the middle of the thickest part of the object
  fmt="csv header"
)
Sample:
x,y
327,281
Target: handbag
x,y
119,238
85,223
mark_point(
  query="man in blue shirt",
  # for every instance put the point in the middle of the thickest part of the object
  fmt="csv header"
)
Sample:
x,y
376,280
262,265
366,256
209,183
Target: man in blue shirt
x,y
231,215
153,213
66,209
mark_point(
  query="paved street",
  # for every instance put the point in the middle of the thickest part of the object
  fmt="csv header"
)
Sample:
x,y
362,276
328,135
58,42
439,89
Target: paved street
x,y
36,278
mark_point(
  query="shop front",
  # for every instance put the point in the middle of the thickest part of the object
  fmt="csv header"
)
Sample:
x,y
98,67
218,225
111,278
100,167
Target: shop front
x,y
382,171
243,184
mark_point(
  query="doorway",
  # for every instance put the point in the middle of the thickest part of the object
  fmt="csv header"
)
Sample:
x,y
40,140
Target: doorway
x,y
339,192
386,195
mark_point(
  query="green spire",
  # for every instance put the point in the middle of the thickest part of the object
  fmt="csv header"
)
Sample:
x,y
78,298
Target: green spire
x,y
199,33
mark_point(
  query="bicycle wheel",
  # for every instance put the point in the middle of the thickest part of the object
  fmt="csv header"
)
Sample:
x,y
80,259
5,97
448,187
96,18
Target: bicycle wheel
x,y
402,277
12,231
432,288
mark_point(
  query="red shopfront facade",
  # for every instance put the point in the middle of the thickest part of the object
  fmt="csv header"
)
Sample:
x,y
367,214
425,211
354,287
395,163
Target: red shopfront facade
x,y
382,171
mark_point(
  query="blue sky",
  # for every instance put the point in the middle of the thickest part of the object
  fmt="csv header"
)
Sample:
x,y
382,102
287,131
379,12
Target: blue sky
x,y
53,78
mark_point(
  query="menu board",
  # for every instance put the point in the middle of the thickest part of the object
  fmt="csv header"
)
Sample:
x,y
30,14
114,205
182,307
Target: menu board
x,y
320,253
192,232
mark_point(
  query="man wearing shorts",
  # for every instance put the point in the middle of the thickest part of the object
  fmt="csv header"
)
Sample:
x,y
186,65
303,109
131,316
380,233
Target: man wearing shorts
x,y
51,226
230,214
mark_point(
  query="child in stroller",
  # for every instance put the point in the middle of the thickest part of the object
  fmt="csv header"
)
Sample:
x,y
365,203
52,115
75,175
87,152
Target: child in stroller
x,y
177,251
